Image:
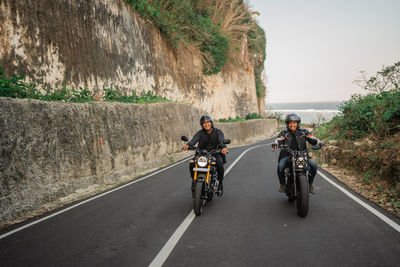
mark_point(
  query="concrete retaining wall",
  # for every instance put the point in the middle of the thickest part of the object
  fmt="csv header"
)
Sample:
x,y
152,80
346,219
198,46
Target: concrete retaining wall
x,y
248,131
50,150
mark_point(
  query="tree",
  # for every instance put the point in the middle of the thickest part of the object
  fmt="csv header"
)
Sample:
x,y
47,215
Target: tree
x,y
388,79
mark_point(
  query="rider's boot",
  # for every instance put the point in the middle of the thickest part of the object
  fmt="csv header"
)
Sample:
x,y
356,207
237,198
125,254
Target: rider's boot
x,y
282,188
220,189
312,191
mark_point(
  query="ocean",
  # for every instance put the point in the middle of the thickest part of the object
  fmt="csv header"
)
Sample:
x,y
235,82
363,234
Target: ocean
x,y
309,112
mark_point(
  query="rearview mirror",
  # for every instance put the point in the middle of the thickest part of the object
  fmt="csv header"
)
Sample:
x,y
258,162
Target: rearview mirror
x,y
184,138
227,141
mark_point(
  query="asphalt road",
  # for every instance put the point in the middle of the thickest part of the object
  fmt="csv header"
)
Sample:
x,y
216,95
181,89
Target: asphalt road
x,y
250,225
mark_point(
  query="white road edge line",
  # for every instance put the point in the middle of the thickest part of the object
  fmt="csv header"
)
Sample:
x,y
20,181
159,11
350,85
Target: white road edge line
x,y
173,240
362,203
88,200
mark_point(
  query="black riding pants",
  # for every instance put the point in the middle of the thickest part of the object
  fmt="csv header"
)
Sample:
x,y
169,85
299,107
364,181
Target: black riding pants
x,y
220,167
284,162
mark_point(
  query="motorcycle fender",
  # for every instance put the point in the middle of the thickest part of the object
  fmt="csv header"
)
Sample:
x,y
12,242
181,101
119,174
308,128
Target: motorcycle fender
x,y
202,175
201,179
297,173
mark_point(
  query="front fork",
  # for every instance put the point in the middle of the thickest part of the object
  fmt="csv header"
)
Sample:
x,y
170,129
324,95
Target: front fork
x,y
294,174
294,177
210,183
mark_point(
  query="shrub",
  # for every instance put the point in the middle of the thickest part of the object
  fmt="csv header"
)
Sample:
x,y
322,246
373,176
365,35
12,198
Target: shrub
x,y
15,87
145,97
374,113
376,116
253,116
377,113
247,117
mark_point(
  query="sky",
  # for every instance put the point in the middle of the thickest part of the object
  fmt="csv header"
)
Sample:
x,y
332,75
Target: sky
x,y
317,48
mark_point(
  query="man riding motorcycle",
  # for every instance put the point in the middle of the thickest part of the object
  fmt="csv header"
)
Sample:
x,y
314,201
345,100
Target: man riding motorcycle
x,y
295,137
210,138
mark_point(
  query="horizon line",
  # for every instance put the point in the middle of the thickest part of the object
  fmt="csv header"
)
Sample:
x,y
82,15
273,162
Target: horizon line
x,y
325,101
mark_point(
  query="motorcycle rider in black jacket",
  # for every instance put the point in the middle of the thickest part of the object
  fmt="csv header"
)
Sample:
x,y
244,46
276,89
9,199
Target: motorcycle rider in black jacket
x,y
210,138
295,137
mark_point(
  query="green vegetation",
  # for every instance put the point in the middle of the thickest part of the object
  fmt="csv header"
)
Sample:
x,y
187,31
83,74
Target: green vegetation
x,y
376,114
214,29
250,116
184,21
15,87
116,96
257,43
367,133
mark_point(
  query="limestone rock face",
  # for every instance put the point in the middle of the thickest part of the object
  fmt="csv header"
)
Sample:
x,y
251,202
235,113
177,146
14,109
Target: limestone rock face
x,y
99,45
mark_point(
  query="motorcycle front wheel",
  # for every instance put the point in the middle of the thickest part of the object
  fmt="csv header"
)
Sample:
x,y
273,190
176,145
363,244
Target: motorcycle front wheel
x,y
302,196
198,201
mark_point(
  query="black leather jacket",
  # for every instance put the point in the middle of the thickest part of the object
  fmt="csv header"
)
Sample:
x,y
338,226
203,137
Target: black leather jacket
x,y
209,141
302,135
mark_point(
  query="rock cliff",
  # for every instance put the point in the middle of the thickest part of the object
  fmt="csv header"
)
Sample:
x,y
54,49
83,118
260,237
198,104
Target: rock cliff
x,y
99,44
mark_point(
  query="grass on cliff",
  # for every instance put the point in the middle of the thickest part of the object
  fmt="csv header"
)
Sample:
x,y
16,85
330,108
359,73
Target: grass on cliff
x,y
216,29
366,134
15,87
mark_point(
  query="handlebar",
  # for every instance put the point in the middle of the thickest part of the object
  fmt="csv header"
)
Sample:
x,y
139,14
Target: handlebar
x,y
292,152
214,151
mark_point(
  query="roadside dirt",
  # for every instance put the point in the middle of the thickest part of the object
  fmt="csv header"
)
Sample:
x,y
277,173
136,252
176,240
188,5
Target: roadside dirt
x,y
380,195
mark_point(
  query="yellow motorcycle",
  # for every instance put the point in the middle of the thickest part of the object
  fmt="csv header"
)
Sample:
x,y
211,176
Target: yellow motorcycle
x,y
205,182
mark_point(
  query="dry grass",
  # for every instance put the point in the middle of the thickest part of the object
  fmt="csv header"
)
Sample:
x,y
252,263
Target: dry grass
x,y
216,30
234,20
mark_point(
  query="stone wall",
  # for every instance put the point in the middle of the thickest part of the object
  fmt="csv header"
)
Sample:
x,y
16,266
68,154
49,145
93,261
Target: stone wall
x,y
248,131
105,44
50,150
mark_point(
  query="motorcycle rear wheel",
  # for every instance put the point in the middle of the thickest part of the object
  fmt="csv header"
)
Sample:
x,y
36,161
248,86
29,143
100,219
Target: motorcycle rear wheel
x,y
302,196
198,201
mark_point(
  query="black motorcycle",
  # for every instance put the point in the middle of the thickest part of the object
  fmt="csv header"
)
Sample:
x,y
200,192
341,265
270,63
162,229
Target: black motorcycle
x,y
296,175
205,182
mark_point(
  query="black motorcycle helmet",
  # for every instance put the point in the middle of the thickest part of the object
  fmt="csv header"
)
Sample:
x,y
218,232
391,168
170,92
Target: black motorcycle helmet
x,y
292,117
205,118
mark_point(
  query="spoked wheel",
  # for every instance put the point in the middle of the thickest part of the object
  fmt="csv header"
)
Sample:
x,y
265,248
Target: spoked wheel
x,y
302,196
198,201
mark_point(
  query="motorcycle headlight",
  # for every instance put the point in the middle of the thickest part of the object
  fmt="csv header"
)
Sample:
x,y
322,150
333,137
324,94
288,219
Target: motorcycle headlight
x,y
202,161
301,162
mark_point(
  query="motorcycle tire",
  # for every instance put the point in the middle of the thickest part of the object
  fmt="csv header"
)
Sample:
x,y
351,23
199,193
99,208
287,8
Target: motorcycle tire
x,y
302,196
198,201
